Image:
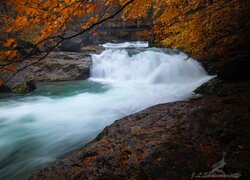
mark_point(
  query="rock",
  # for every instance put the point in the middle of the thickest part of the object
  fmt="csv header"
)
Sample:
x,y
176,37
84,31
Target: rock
x,y
24,88
92,49
20,89
26,47
168,141
57,66
66,66
215,86
23,82
71,45
63,66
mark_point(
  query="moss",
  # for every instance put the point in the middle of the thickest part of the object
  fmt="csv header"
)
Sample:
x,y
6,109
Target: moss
x,y
20,89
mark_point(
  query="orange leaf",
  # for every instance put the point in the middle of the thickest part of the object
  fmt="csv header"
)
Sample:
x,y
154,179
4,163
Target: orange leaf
x,y
13,55
8,29
8,42
3,56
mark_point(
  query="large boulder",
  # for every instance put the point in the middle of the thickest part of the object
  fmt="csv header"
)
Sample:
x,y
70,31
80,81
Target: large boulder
x,y
23,82
216,86
63,66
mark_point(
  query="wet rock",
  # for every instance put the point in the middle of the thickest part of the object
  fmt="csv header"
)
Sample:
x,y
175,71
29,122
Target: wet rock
x,y
29,86
215,86
66,66
92,49
63,66
23,82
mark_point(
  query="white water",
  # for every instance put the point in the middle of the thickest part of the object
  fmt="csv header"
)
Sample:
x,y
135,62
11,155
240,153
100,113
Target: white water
x,y
38,129
137,44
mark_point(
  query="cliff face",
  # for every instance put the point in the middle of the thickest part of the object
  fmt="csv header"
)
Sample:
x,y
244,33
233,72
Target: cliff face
x,y
209,30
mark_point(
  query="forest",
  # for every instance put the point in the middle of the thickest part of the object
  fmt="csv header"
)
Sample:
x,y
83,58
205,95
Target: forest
x,y
124,89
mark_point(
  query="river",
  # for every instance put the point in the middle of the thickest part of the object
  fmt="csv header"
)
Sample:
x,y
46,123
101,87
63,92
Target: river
x,y
58,117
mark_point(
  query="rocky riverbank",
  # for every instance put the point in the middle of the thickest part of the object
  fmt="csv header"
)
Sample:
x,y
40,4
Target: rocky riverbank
x,y
169,141
205,136
57,66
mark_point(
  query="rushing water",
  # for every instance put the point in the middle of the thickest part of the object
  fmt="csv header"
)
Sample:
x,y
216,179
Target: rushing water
x,y
37,128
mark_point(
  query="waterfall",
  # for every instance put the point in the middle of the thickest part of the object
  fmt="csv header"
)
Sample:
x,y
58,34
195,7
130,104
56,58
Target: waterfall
x,y
149,67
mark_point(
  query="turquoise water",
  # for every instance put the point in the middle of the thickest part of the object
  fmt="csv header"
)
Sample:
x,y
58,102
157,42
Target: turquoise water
x,y
57,90
21,143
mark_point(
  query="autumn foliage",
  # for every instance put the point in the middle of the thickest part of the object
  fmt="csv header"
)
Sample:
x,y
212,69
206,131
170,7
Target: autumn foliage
x,y
199,27
35,21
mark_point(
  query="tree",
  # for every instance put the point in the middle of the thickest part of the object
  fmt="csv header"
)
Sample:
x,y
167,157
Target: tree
x,y
200,28
49,18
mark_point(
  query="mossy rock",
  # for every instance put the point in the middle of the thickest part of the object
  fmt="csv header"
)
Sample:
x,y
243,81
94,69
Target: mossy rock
x,y
20,89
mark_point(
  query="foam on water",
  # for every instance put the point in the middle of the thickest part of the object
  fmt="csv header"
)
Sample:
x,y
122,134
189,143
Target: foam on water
x,y
136,44
39,129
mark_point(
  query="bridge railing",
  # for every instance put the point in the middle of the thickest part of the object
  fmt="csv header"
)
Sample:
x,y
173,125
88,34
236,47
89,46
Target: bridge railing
x,y
125,25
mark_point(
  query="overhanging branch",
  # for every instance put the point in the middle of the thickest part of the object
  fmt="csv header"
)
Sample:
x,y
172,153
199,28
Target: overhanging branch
x,y
61,39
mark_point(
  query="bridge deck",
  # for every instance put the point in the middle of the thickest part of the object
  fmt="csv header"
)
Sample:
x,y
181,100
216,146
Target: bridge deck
x,y
130,25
